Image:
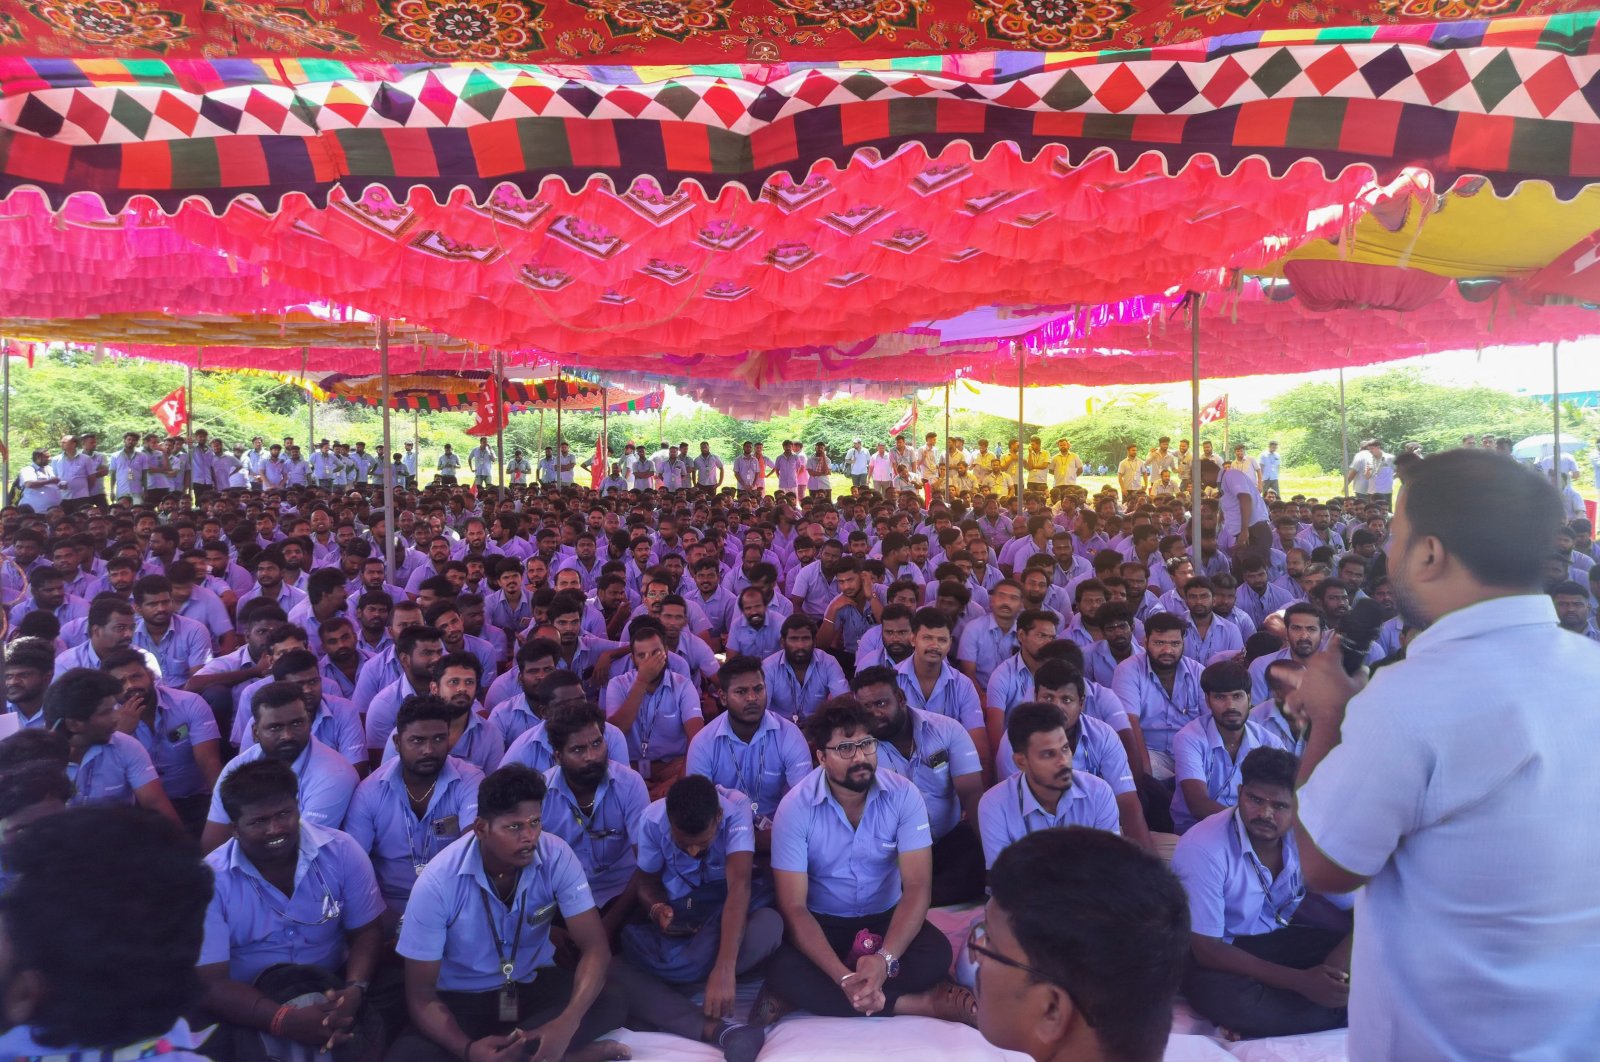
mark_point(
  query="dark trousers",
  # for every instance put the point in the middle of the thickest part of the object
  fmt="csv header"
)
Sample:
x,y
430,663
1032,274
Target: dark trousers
x,y
798,981
958,870
1250,1008
192,812
539,1000
1155,799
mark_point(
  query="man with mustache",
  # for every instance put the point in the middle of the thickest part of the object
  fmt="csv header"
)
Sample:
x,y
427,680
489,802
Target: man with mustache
x,y
415,805
1208,752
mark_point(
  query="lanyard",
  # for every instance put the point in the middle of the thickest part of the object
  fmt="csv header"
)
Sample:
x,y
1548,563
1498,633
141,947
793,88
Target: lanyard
x,y
508,964
595,834
331,908
744,785
1265,877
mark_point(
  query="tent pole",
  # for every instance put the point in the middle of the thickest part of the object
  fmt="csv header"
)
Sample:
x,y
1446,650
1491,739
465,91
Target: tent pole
x,y
1196,472
311,401
558,423
947,443
5,416
1555,411
500,430
388,465
1022,363
1344,436
603,451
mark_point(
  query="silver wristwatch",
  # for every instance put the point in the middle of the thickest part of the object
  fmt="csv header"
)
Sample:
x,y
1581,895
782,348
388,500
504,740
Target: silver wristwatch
x,y
892,965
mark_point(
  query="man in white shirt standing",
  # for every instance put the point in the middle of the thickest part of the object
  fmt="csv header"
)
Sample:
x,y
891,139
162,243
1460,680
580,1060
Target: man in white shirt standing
x,y
880,466
1363,470
1478,921
857,461
708,470
1269,464
1131,473
72,471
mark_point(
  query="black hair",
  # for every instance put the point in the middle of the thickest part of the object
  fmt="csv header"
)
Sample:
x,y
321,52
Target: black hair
x,y
423,708
843,712
254,783
1164,623
1056,673
797,621
538,649
76,693
293,662
457,660
692,804
107,906
562,721
879,675
1269,766
22,785
323,582
1225,676
406,642
1030,718
35,654
736,665
106,605
259,609
1105,921
276,694
122,658
1500,545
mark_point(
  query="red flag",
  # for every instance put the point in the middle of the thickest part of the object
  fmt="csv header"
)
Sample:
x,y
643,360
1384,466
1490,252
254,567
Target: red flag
x,y
490,413
600,465
1217,410
173,412
905,423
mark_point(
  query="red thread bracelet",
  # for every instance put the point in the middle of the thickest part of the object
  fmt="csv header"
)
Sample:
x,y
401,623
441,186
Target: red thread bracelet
x,y
276,1027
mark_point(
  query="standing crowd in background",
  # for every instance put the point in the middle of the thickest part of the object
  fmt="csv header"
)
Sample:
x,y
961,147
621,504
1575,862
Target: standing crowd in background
x,y
689,742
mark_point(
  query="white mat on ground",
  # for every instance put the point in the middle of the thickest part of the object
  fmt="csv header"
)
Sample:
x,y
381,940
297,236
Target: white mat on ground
x,y
805,1039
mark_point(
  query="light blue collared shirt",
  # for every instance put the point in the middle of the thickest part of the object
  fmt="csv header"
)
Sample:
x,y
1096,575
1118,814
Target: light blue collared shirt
x,y
1099,752
657,730
478,745
337,724
941,752
1222,637
455,919
603,841
953,695
1268,717
110,773
327,782
852,871
775,760
182,721
250,925
1198,755
382,823
680,872
748,641
1009,811
795,700
1231,892
533,749
987,647
1160,715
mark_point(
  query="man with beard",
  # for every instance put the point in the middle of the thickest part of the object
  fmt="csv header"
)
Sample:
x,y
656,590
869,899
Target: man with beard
x,y
414,805
30,664
221,682
281,729
655,706
536,660
932,685
989,642
1258,596
1305,630
1047,790
1012,680
473,989
270,584
890,641
1161,687
106,766
851,613
756,631
532,749
145,902
445,617
111,626
416,650
454,680
176,728
1465,741
181,645
800,676
1100,660
749,749
192,601
937,756
582,653
1208,752
47,592
294,913
1251,971
334,721
816,585
596,806
1274,714
717,602
1572,609
851,854
1206,636
341,656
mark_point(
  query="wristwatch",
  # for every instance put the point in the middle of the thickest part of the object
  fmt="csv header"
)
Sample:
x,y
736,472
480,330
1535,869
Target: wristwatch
x,y
891,964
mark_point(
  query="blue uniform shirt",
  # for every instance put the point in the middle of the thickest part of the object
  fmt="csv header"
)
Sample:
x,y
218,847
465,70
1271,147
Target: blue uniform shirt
x,y
1231,893
1160,715
182,721
382,823
604,840
533,749
953,695
455,919
941,752
852,871
680,872
1099,752
109,773
1009,811
327,782
657,730
250,925
337,724
478,745
772,762
512,718
986,646
794,699
1198,755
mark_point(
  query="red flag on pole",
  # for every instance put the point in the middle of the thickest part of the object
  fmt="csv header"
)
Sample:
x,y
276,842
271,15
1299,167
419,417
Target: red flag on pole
x,y
1217,410
490,413
905,423
598,469
173,412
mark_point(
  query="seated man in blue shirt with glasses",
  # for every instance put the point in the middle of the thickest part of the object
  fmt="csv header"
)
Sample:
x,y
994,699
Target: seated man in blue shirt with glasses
x,y
851,853
481,980
1255,968
293,904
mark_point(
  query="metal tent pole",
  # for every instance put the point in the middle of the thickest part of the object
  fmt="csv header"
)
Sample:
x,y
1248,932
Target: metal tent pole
x,y
1022,362
947,443
1344,438
311,400
1196,476
603,451
558,423
1555,411
388,449
5,416
500,428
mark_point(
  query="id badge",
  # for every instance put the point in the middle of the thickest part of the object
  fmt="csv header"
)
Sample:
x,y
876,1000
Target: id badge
x,y
644,768
508,1003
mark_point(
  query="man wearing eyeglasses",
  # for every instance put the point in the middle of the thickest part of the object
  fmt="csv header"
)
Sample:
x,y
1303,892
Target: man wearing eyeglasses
x,y
596,806
851,852
1253,969
1079,950
293,905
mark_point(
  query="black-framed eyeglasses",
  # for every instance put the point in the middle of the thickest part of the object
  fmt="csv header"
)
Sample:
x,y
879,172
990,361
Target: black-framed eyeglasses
x,y
847,750
977,938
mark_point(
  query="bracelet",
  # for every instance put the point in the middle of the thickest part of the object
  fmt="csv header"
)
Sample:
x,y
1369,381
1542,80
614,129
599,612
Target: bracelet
x,y
276,1026
658,903
466,1056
